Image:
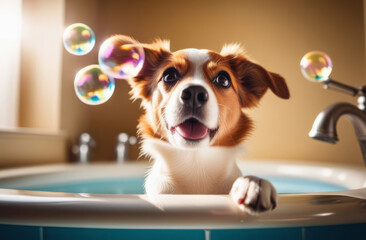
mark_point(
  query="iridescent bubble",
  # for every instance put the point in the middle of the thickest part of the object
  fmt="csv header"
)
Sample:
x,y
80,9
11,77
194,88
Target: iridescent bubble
x,y
79,39
316,66
92,86
121,57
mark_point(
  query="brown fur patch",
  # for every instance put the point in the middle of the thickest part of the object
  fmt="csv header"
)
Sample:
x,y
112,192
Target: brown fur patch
x,y
240,130
145,130
254,80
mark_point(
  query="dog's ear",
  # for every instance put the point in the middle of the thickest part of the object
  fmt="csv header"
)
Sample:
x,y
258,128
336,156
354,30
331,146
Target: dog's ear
x,y
254,80
144,83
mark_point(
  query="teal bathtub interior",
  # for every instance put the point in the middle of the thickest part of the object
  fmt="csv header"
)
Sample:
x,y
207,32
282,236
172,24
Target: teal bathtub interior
x,y
118,184
135,186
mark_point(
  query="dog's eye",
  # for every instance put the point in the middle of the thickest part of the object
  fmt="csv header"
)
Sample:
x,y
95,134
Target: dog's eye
x,y
171,75
222,79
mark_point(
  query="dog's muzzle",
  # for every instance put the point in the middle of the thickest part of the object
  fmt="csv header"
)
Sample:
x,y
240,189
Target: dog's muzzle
x,y
193,98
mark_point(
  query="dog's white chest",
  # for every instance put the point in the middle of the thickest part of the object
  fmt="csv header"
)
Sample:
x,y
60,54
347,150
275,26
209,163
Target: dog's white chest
x,y
210,170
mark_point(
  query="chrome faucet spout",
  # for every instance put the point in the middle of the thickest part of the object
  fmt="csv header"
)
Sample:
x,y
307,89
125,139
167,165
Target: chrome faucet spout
x,y
324,127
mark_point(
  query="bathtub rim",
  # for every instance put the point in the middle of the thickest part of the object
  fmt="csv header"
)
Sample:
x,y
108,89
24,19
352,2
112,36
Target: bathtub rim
x,y
19,207
348,176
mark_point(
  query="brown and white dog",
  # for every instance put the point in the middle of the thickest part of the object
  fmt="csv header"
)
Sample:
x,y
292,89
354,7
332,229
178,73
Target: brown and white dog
x,y
193,126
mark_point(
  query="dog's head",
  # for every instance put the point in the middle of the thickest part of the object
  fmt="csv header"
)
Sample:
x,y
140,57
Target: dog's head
x,y
195,97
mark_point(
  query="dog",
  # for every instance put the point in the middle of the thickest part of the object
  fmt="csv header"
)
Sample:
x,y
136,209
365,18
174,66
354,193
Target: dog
x,y
193,126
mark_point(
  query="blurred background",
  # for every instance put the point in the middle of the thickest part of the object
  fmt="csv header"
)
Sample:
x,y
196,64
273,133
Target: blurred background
x,y
41,118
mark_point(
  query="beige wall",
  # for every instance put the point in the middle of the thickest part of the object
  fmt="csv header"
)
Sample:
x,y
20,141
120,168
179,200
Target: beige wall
x,y
10,25
37,138
40,73
275,33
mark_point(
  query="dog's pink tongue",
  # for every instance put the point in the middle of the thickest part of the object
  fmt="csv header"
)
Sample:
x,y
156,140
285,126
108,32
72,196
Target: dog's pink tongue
x,y
192,130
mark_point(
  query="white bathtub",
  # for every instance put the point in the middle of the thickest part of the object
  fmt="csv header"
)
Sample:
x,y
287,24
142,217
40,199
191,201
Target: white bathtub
x,y
131,211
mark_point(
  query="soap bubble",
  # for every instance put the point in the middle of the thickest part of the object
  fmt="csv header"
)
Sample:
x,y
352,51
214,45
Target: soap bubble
x,y
92,86
79,39
316,66
121,57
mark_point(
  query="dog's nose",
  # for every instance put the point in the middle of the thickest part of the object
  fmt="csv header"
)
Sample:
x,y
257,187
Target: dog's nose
x,y
194,96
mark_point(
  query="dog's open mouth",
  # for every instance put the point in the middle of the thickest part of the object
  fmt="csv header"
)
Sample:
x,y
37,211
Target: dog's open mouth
x,y
192,129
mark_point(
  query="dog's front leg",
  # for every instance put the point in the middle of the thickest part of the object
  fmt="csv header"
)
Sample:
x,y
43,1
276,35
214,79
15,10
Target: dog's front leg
x,y
254,194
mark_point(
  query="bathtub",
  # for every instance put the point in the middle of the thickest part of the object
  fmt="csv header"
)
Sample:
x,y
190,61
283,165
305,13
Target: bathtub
x,y
106,201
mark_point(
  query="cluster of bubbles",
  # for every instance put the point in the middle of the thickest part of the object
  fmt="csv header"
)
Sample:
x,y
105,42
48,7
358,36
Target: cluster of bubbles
x,y
119,57
316,66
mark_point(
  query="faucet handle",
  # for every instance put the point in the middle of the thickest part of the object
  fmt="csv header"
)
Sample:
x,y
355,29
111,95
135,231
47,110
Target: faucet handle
x,y
132,140
340,87
86,138
124,138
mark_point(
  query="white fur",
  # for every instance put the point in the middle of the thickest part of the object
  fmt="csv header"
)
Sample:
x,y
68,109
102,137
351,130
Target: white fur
x,y
204,170
165,44
233,48
257,193
197,58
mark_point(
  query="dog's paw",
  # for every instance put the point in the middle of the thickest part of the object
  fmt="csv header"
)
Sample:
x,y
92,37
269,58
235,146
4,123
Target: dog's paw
x,y
254,194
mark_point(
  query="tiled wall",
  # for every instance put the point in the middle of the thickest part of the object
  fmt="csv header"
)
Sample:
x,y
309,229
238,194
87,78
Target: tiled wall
x,y
348,232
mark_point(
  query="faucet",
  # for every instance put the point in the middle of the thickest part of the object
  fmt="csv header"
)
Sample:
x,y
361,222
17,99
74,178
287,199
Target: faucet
x,y
316,66
86,142
324,126
122,148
